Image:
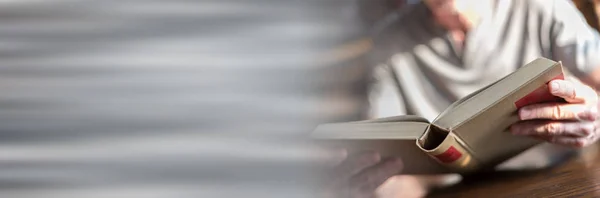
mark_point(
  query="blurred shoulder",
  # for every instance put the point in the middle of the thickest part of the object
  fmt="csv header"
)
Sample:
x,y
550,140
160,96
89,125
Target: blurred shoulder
x,y
546,6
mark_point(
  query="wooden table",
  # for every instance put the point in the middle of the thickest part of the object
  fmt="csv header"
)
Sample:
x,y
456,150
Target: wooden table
x,y
578,176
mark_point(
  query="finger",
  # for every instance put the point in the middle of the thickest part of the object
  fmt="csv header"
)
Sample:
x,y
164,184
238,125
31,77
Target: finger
x,y
368,180
553,128
355,163
557,111
330,157
568,140
567,90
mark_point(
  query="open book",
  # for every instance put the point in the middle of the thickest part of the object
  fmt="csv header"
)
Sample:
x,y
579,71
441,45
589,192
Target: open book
x,y
470,135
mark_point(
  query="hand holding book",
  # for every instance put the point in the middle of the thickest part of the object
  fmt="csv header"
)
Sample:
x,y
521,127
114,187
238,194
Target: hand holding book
x,y
360,174
473,134
571,124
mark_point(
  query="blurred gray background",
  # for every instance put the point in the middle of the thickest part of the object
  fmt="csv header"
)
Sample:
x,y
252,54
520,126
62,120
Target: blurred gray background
x,y
177,98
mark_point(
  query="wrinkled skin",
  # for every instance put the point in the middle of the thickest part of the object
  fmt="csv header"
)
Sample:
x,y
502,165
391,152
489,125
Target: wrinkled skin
x,y
572,124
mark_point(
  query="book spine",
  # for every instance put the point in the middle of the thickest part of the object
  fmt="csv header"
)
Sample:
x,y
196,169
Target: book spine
x,y
453,155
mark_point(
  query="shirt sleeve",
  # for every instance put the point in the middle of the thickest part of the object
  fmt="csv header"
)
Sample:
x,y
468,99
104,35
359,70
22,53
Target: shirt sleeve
x,y
385,99
573,41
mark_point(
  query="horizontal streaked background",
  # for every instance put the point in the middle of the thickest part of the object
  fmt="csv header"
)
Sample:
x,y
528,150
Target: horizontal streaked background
x,y
173,98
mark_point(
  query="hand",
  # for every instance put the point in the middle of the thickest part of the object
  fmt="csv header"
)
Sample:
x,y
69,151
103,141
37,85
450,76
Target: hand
x,y
573,124
359,175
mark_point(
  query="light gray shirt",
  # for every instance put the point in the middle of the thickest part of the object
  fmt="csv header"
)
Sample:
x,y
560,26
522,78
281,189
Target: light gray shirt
x,y
420,72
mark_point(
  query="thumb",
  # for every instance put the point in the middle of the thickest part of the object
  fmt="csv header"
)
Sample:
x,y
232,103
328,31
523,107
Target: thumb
x,y
572,92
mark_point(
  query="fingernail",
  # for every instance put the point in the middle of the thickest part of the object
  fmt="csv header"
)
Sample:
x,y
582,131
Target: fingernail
x,y
367,157
554,87
375,157
524,113
397,161
587,115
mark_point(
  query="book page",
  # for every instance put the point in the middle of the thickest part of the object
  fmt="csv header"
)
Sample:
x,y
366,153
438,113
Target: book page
x,y
400,118
390,137
370,130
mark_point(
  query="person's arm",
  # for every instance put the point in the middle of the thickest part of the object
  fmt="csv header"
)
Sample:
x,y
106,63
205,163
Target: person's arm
x,y
574,42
